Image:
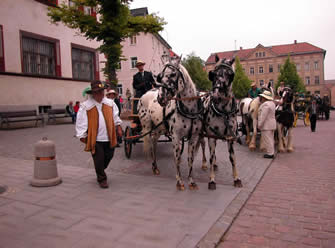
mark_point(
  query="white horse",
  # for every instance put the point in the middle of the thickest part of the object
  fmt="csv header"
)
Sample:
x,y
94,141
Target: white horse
x,y
220,116
182,108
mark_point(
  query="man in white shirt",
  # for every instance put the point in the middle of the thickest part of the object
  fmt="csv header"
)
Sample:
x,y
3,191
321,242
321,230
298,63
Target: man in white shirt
x,y
98,125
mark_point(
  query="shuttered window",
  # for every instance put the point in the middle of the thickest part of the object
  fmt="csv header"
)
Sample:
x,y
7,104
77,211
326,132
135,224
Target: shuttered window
x,y
83,64
38,57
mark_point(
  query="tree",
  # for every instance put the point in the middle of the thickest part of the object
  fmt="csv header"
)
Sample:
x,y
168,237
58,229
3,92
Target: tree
x,y
288,75
241,82
114,25
195,67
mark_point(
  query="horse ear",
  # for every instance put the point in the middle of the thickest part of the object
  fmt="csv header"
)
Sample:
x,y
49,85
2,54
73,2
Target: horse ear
x,y
216,58
232,61
211,76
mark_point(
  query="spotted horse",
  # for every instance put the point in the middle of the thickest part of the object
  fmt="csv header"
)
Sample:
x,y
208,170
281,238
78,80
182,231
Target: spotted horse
x,y
181,111
220,116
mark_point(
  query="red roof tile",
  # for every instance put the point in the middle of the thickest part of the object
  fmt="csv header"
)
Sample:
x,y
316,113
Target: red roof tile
x,y
294,48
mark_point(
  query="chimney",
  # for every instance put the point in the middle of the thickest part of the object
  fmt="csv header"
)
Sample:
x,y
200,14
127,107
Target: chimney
x,y
241,48
295,41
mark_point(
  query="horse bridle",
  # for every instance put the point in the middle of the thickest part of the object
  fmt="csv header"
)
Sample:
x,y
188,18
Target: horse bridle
x,y
219,85
171,86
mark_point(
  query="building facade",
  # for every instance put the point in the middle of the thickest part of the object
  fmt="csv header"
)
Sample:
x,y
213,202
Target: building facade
x,y
148,48
45,65
262,64
42,64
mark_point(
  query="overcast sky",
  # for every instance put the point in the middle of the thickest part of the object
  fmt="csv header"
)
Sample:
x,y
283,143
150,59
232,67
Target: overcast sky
x,y
211,26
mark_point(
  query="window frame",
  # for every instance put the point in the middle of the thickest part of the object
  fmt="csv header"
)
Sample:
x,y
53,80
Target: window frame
x,y
260,69
316,65
317,80
2,51
57,54
307,68
133,40
307,80
252,70
271,68
132,63
96,73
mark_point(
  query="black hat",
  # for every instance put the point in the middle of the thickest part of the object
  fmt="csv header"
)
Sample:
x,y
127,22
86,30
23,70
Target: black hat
x,y
96,86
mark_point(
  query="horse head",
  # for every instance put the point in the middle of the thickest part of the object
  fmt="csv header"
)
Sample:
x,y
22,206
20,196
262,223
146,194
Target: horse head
x,y
222,77
288,95
170,81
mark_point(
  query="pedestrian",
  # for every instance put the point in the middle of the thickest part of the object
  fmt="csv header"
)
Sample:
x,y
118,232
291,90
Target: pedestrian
x,y
267,122
98,125
312,110
70,111
113,95
76,107
280,89
143,81
253,91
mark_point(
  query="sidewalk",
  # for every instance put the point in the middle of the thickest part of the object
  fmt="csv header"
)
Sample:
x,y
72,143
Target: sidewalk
x,y
294,204
138,210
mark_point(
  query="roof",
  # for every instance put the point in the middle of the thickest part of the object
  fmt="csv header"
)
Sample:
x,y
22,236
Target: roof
x,y
279,50
330,81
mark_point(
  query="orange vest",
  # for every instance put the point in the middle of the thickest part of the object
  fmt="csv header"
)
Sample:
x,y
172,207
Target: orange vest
x,y
93,125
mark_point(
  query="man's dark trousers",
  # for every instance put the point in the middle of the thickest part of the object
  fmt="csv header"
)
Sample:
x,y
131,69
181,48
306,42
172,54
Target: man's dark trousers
x,y
313,122
101,158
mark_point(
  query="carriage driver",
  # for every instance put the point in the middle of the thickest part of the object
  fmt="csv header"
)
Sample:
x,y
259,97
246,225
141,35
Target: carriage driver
x,y
267,122
254,91
97,125
143,81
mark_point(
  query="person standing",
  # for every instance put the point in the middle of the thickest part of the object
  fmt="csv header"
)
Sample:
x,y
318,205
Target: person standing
x,y
98,125
280,89
254,91
267,122
70,111
76,107
312,110
143,81
112,94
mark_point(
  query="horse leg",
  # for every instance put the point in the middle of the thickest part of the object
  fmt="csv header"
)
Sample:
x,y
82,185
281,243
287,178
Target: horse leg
x,y
252,144
280,138
212,159
191,152
202,142
177,159
155,138
237,180
290,142
247,129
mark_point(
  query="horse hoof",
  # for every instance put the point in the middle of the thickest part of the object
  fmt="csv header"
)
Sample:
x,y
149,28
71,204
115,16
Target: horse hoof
x,y
204,167
290,150
238,183
180,187
156,171
212,185
216,168
193,186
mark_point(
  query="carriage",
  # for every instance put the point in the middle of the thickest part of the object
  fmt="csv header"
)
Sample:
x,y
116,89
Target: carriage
x,y
300,107
133,132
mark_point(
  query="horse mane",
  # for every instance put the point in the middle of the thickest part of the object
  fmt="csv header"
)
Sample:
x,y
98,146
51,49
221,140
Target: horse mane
x,y
187,77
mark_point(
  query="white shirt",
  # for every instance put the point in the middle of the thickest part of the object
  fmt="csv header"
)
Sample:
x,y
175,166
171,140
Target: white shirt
x,y
82,122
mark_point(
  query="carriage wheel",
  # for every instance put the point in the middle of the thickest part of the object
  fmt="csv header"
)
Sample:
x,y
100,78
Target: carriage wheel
x,y
127,142
306,119
296,116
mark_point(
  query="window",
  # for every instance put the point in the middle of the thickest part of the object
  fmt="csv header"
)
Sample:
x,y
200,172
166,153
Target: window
x,y
133,62
317,92
307,66
307,80
270,68
133,40
317,80
278,69
119,89
316,65
271,82
256,55
298,66
38,56
2,51
87,10
260,69
263,54
252,71
83,64
261,82
119,66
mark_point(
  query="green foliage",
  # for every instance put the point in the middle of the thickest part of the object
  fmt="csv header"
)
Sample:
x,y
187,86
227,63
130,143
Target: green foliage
x,y
195,67
241,83
288,74
114,25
